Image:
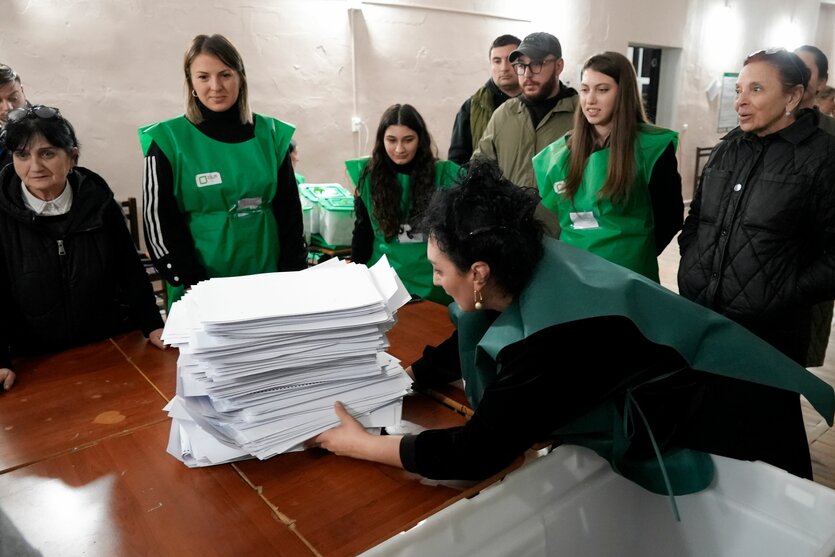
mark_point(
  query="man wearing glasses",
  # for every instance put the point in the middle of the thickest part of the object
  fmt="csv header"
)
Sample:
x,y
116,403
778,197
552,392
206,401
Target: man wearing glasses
x,y
11,97
523,126
472,118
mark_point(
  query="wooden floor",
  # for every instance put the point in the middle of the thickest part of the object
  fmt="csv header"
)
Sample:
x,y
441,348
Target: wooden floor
x,y
821,436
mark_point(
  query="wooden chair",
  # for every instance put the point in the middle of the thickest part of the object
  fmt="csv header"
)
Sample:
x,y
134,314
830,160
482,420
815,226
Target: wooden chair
x,y
129,209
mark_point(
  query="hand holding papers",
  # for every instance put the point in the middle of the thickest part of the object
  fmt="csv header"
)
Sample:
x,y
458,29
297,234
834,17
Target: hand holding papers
x,y
264,357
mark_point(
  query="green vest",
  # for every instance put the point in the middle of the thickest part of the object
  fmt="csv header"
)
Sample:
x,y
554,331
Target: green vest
x,y
225,192
481,109
406,257
621,232
568,285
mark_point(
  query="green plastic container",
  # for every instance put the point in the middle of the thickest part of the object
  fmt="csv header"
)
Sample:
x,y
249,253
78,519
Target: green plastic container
x,y
336,220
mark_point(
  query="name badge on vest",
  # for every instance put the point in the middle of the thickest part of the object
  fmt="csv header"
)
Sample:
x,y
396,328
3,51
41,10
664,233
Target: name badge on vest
x,y
247,206
208,179
583,220
408,236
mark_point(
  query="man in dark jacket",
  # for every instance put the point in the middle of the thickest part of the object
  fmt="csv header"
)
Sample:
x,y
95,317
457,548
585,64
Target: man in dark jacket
x,y
11,97
474,114
821,317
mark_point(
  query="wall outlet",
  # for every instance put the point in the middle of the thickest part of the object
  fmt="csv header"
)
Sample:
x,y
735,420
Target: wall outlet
x,y
356,123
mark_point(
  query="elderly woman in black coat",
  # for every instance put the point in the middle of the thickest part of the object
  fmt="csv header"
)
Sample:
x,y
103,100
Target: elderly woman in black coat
x,y
759,243
69,271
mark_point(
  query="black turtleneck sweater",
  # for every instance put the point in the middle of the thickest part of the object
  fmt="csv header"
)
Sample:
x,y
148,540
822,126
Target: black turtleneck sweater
x,y
539,108
179,265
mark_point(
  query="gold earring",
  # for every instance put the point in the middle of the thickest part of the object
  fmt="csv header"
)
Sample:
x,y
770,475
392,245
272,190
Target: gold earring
x,y
478,299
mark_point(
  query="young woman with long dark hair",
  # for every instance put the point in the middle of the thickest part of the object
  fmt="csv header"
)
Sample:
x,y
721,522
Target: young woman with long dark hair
x,y
394,187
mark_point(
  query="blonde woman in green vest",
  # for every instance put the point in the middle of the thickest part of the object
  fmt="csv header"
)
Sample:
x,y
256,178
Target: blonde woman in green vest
x,y
554,343
220,197
613,181
393,188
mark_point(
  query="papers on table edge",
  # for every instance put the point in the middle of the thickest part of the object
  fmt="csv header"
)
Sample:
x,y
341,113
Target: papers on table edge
x,y
258,375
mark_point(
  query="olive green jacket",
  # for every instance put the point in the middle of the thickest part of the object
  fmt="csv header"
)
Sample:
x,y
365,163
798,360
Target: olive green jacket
x,y
511,140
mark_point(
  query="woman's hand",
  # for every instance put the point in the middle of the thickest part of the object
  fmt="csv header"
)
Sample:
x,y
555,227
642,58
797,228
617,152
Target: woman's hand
x,y
349,438
155,338
7,378
346,439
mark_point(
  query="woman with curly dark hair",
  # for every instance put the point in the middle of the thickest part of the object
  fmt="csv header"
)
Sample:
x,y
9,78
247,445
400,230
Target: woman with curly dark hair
x,y
394,187
554,343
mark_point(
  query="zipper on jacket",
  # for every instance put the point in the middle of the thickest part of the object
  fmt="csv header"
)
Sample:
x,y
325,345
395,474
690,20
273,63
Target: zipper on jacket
x,y
61,250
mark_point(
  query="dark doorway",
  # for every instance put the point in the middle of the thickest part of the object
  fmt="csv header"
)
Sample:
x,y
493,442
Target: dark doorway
x,y
647,62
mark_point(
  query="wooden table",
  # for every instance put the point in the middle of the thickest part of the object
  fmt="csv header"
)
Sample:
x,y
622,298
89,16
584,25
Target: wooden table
x,y
83,467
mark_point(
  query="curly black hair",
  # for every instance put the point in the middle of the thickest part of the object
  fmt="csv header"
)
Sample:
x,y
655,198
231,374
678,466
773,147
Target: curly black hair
x,y
487,218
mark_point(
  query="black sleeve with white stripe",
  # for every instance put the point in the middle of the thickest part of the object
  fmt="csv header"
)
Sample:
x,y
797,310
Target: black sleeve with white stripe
x,y
167,237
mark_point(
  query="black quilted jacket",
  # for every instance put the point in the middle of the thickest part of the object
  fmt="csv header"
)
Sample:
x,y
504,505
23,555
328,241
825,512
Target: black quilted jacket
x,y
759,243
71,279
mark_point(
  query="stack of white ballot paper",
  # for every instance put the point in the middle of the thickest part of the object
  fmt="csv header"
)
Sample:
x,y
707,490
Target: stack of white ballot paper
x,y
264,357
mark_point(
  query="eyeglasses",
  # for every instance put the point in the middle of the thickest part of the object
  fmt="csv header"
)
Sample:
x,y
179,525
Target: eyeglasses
x,y
534,67
37,111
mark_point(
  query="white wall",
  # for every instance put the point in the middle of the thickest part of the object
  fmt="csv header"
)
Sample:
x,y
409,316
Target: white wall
x,y
718,36
113,65
825,38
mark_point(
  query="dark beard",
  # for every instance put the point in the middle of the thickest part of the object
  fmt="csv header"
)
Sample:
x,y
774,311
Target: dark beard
x,y
547,90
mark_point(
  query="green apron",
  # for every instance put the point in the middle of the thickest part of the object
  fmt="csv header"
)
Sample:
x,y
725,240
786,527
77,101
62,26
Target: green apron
x,y
623,232
225,193
568,285
407,257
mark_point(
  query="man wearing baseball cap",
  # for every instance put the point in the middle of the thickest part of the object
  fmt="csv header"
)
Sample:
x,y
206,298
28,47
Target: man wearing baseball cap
x,y
523,126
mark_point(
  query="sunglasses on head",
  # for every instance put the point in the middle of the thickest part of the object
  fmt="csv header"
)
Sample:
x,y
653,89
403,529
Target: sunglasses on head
x,y
780,50
37,111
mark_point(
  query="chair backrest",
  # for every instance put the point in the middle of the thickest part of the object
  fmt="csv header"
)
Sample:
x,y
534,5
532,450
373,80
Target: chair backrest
x,y
129,210
131,218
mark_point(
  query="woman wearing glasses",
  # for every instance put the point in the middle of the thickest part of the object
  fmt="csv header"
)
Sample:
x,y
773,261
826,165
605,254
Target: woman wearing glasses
x,y
613,180
69,271
759,242
394,187
219,192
